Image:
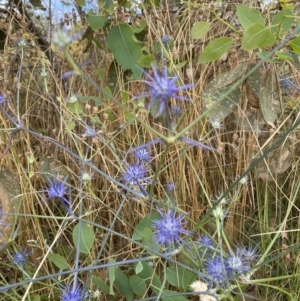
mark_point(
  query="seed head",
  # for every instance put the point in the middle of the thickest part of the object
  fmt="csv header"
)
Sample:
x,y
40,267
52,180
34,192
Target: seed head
x,y
169,228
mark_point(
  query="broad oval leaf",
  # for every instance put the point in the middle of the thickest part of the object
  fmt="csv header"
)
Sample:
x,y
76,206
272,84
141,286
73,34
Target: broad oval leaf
x,y
96,22
86,235
248,16
125,48
180,277
138,285
199,30
215,49
254,36
295,44
168,295
269,40
100,284
281,24
123,285
59,261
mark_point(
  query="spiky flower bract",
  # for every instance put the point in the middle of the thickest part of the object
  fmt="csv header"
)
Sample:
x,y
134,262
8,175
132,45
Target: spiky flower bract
x,y
169,228
136,174
58,189
206,241
176,111
2,99
236,265
162,88
171,186
71,294
142,154
218,270
19,258
248,254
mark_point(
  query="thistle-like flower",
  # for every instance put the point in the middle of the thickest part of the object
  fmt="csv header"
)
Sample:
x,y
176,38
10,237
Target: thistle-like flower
x,y
176,111
142,154
58,189
136,174
248,254
62,38
170,187
236,265
206,241
2,99
169,228
19,258
218,270
71,294
161,89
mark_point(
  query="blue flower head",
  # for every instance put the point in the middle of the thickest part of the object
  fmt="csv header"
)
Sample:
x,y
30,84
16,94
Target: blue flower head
x,y
142,154
218,270
2,99
136,174
161,89
70,294
170,187
58,189
176,111
19,258
169,228
248,254
236,265
206,241
165,39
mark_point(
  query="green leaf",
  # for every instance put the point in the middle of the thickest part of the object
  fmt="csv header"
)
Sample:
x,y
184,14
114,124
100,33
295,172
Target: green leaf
x,y
123,285
295,44
254,36
71,125
126,50
59,261
269,39
112,277
37,298
150,277
146,222
138,267
199,30
248,16
80,2
180,277
75,108
140,28
281,24
284,56
215,49
138,285
96,22
146,61
86,235
263,54
100,284
166,293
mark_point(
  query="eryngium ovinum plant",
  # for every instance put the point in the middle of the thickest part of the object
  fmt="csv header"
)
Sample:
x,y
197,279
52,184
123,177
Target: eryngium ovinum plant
x,y
193,264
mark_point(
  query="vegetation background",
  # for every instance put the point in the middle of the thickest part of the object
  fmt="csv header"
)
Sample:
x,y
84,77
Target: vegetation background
x,y
73,109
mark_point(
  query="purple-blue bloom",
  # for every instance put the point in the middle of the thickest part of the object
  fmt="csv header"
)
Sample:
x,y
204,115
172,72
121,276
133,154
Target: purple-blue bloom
x,y
165,39
142,154
206,241
248,254
176,111
169,228
20,257
162,88
236,265
217,269
70,294
58,189
2,99
171,186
